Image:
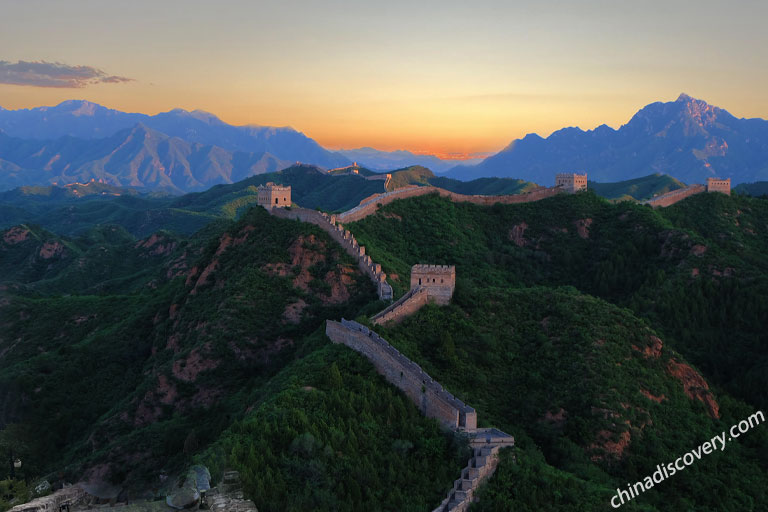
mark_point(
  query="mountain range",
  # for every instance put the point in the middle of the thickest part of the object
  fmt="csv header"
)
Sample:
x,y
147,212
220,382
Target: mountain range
x,y
86,120
687,138
180,151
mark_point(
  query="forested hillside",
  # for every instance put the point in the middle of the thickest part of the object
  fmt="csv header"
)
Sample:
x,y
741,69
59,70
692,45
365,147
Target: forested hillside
x,y
607,338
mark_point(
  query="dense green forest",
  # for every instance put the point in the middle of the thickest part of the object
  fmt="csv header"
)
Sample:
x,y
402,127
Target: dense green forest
x,y
128,358
696,271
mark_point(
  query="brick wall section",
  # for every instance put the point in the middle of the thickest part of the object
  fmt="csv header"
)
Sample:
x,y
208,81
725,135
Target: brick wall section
x,y
345,239
407,305
671,198
369,205
428,395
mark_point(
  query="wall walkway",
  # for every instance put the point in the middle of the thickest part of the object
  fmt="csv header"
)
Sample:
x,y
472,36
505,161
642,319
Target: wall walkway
x,y
406,305
369,205
673,197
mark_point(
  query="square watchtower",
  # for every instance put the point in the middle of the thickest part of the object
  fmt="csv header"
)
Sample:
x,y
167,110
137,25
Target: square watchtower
x,y
571,181
719,185
439,280
274,196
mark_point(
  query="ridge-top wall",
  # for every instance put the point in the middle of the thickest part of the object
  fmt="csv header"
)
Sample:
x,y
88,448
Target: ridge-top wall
x,y
428,395
347,241
406,305
673,197
370,205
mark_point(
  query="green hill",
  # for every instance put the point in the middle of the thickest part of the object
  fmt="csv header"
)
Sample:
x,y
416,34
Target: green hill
x,y
638,188
61,210
758,188
418,175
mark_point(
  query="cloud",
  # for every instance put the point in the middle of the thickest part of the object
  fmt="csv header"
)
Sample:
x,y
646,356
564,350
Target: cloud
x,y
54,74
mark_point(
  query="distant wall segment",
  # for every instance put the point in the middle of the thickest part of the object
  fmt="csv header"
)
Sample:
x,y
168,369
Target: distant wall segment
x,y
673,197
369,205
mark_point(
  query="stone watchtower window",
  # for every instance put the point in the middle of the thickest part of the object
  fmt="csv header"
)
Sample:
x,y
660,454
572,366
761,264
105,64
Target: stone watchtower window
x,y
276,200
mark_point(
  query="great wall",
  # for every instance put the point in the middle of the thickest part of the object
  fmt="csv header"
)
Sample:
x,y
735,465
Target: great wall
x,y
429,283
369,205
713,185
434,402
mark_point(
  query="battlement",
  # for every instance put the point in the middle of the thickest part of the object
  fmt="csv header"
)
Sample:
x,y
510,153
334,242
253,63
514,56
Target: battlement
x,y
719,185
272,195
434,269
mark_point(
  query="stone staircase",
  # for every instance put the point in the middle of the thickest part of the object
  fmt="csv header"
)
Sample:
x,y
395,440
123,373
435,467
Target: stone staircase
x,y
485,445
228,497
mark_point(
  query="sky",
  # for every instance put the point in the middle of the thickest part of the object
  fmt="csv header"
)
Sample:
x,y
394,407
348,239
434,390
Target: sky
x,y
442,77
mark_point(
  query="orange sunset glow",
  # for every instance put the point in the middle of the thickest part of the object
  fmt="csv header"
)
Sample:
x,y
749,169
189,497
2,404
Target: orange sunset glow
x,y
434,77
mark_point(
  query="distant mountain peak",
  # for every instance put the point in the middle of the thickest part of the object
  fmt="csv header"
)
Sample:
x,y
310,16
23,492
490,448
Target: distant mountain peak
x,y
687,138
200,115
79,107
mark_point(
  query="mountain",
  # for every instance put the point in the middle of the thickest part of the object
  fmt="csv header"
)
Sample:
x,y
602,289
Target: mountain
x,y
136,157
420,176
606,337
86,120
387,160
76,208
759,188
686,138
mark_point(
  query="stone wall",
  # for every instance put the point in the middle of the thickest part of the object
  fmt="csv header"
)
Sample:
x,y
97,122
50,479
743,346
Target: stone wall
x,y
407,305
51,503
482,464
369,205
345,239
671,198
428,395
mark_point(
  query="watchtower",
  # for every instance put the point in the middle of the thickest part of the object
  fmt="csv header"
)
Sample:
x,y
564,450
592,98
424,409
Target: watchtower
x,y
719,185
439,281
571,181
274,196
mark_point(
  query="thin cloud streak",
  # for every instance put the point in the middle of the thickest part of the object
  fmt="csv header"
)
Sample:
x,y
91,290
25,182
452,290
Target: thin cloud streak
x,y
54,74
